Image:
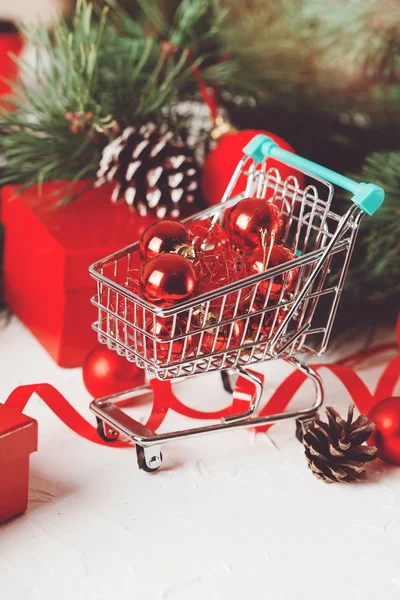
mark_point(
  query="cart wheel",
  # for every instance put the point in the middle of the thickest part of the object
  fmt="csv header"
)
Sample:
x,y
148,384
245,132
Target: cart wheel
x,y
107,433
301,425
227,381
149,459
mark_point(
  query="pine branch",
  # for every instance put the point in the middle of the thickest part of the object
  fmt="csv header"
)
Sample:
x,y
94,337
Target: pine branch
x,y
197,30
38,144
89,73
267,41
358,43
336,56
371,295
379,270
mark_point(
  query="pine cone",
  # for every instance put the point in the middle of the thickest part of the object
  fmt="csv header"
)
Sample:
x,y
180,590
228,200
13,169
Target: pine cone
x,y
154,171
335,450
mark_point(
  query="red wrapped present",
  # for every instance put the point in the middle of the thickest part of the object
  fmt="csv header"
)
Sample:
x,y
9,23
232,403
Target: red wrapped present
x,y
48,250
11,43
18,438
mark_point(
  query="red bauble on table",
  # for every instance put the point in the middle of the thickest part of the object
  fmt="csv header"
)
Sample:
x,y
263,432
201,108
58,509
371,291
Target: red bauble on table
x,y
163,348
106,373
262,259
167,279
222,161
386,435
248,218
161,237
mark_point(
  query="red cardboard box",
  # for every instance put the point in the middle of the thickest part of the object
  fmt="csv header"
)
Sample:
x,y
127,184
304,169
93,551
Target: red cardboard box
x,y
48,250
11,43
18,438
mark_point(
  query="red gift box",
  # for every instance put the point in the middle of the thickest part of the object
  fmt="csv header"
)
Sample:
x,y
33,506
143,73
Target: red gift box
x,y
48,250
11,43
18,438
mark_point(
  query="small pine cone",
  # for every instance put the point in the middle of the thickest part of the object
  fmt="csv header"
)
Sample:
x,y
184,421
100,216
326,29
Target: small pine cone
x,y
335,451
153,171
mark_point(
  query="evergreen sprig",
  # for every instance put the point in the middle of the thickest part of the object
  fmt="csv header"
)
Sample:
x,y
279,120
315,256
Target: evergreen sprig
x,y
358,44
335,55
197,31
376,276
106,72
37,143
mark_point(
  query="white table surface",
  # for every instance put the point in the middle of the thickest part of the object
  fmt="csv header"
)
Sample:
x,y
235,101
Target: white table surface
x,y
229,516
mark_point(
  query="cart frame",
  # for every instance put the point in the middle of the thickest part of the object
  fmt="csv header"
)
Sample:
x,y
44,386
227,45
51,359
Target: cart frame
x,y
318,235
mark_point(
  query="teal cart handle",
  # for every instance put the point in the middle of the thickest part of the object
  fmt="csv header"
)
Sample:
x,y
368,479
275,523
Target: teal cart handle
x,y
367,196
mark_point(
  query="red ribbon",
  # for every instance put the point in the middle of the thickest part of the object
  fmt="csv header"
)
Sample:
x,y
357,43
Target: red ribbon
x,y
208,94
165,398
18,399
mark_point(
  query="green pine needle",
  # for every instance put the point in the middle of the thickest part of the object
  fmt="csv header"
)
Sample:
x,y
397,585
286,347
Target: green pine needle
x,y
377,272
96,67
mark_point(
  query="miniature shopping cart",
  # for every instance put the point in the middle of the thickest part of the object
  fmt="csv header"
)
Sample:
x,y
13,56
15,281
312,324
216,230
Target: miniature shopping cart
x,y
299,322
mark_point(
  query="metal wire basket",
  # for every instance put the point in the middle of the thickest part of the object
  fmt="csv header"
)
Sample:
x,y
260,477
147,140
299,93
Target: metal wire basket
x,y
282,327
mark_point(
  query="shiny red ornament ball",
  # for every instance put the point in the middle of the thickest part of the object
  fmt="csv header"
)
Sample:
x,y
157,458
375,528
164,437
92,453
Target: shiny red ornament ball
x,y
161,237
222,161
167,279
120,305
386,435
106,373
215,340
279,255
248,218
269,325
207,236
161,347
216,268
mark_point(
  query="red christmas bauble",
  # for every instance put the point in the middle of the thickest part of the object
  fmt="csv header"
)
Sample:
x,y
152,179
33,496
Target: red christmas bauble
x,y
106,373
165,348
215,340
168,278
222,161
119,304
207,237
216,268
248,218
278,256
269,325
386,435
162,236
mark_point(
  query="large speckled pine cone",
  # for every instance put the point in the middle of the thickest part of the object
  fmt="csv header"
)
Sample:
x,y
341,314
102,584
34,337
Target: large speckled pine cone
x,y
335,451
153,170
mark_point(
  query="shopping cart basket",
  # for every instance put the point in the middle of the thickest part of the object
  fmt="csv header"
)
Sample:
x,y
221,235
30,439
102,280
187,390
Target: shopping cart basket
x,y
322,240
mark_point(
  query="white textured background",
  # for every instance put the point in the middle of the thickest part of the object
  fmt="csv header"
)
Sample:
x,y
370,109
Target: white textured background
x,y
231,516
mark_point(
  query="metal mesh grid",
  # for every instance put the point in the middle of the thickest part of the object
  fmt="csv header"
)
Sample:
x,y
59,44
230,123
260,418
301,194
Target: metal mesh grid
x,y
226,328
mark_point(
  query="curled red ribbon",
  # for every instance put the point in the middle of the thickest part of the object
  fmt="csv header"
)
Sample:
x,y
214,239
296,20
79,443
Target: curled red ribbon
x,y
165,398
